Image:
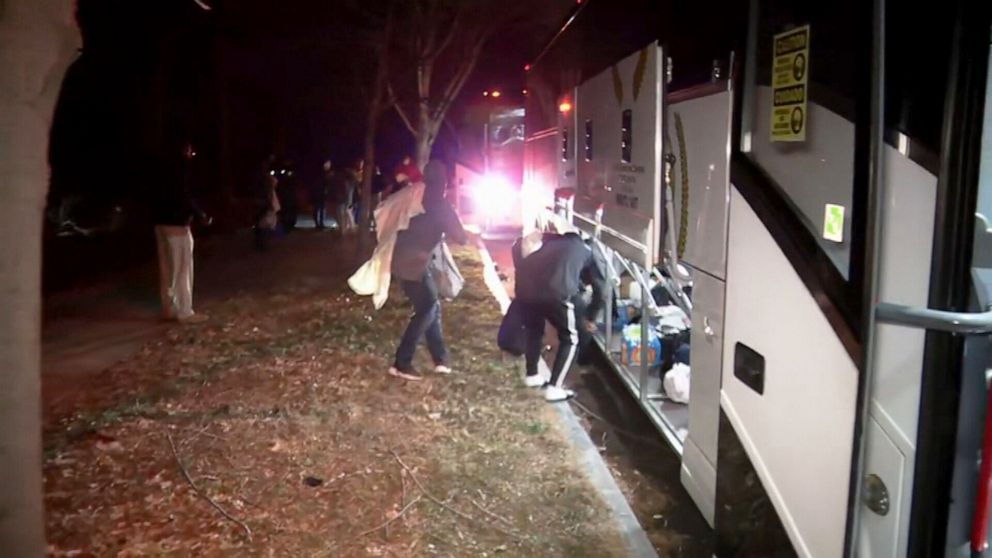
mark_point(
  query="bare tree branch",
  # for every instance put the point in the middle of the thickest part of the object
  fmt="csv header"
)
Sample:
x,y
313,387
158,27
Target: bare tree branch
x,y
399,111
459,79
453,29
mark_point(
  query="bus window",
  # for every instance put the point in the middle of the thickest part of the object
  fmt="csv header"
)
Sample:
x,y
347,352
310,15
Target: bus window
x,y
588,145
626,138
805,102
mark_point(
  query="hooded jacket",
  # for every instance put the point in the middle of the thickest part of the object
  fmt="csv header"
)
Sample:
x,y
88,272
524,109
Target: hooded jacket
x,y
415,245
557,271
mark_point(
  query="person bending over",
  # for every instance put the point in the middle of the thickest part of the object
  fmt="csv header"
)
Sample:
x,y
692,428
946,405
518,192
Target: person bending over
x,y
549,284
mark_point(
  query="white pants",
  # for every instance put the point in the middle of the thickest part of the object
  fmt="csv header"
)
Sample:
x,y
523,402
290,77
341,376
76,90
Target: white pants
x,y
175,266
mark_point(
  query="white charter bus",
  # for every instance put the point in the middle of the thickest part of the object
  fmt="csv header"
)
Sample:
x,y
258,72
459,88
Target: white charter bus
x,y
808,185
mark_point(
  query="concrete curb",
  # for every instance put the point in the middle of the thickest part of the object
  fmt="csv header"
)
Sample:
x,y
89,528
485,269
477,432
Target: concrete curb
x,y
592,462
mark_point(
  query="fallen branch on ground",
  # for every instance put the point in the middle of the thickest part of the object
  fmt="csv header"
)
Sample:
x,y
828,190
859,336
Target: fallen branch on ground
x,y
438,501
386,523
491,514
200,493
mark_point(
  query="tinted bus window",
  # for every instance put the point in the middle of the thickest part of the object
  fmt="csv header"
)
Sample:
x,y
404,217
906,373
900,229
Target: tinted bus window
x,y
804,97
917,53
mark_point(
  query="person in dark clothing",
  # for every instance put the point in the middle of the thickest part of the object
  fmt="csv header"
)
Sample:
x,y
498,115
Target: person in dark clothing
x,y
287,191
318,196
358,175
342,192
379,185
413,251
174,210
549,284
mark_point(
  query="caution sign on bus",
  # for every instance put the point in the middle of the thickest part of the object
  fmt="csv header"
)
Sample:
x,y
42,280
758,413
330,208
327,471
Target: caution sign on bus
x,y
790,74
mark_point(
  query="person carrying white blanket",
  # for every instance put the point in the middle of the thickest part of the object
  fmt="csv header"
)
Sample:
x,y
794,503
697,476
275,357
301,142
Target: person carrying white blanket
x,y
392,216
409,233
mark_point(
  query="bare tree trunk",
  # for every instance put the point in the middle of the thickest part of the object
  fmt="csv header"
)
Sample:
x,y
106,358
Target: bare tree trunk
x,y
422,149
365,219
379,102
39,40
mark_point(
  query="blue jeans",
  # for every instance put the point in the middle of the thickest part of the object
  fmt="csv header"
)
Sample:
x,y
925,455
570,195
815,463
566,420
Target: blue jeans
x,y
425,322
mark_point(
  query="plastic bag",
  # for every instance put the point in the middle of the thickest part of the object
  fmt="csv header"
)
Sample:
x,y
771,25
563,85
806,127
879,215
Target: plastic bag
x,y
677,383
442,266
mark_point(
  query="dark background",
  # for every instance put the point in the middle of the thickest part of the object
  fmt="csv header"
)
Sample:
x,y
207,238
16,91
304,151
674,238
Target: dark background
x,y
244,80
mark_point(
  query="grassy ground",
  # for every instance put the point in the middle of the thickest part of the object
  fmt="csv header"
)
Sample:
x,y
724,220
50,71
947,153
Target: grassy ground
x,y
274,430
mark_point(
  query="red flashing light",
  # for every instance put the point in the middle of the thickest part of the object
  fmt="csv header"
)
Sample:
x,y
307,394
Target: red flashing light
x,y
565,107
527,68
485,93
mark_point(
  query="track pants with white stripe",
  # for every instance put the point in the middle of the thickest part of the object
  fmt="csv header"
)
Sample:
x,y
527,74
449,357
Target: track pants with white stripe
x,y
564,317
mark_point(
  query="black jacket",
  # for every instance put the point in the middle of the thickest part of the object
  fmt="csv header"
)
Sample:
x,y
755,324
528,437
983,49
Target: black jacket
x,y
415,245
559,269
175,202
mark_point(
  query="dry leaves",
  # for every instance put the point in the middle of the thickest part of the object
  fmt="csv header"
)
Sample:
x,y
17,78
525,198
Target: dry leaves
x,y
283,416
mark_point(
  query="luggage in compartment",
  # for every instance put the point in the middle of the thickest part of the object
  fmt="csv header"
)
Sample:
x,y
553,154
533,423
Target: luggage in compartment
x,y
630,346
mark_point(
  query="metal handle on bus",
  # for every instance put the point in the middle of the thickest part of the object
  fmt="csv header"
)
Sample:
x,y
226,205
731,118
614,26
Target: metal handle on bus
x,y
707,329
972,323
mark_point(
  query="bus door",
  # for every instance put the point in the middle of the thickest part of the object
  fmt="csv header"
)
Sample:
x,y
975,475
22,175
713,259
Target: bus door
x,y
929,341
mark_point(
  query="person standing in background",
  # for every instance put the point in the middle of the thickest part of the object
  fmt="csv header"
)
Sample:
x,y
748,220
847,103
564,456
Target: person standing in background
x,y
358,176
174,211
318,197
341,197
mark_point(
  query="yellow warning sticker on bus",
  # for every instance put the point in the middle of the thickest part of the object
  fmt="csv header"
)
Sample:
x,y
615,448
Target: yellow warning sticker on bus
x,y
790,73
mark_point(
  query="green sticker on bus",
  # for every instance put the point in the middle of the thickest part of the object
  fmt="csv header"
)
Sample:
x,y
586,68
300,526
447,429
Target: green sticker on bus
x,y
833,223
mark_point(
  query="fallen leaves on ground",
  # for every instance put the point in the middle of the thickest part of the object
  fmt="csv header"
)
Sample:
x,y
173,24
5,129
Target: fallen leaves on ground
x,y
297,443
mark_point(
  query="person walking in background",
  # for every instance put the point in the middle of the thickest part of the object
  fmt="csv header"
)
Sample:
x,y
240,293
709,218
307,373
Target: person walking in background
x,y
174,211
414,248
288,190
358,175
341,191
267,220
318,197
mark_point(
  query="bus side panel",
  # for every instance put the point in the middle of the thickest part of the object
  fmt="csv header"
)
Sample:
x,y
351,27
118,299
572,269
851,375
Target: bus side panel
x,y
797,433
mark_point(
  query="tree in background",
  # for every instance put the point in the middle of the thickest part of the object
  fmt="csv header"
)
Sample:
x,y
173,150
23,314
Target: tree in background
x,y
438,45
39,42
376,93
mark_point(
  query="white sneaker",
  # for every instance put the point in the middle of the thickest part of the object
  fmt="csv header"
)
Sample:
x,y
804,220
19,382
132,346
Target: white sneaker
x,y
553,394
534,381
442,369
